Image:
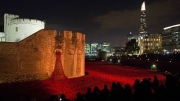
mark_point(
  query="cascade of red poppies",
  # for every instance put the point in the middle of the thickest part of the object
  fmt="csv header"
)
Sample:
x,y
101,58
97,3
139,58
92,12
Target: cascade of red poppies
x,y
58,73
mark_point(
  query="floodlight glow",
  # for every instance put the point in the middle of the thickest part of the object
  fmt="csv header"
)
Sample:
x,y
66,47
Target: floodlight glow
x,y
153,67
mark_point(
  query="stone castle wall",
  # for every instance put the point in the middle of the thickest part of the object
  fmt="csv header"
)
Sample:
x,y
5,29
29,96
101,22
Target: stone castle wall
x,y
37,53
34,57
72,46
8,58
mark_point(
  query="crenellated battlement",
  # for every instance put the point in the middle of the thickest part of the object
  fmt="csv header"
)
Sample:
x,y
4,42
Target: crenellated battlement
x,y
27,21
71,35
66,34
11,15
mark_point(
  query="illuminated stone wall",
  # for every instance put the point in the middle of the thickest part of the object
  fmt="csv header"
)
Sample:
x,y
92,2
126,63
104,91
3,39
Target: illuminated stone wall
x,y
8,58
72,47
36,53
34,57
30,59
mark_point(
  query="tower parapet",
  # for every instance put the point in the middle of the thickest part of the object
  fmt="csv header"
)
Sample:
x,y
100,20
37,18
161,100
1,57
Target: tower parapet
x,y
17,29
27,21
66,34
11,15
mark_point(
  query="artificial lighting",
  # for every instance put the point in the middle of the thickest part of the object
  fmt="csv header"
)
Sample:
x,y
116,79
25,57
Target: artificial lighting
x,y
153,67
171,26
143,7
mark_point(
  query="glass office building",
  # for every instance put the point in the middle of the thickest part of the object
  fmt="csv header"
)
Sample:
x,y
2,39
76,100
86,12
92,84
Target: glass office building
x,y
171,38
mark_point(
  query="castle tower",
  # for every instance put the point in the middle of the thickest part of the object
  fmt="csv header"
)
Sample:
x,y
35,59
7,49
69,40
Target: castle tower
x,y
143,26
7,23
17,29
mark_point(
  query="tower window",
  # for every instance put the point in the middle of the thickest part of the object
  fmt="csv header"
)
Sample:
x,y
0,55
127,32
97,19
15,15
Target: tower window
x,y
16,29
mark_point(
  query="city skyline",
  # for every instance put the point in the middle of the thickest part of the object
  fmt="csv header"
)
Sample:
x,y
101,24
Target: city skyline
x,y
101,21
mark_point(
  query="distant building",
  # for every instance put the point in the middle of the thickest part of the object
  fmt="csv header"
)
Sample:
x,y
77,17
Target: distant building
x,y
118,51
104,47
93,48
143,26
150,43
132,36
87,48
132,47
171,38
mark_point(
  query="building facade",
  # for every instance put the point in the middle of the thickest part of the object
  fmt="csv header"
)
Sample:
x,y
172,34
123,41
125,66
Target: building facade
x,y
87,48
171,38
150,43
104,47
93,48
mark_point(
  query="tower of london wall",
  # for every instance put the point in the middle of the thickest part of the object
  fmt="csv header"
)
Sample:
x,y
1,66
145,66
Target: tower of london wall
x,y
30,59
72,46
34,57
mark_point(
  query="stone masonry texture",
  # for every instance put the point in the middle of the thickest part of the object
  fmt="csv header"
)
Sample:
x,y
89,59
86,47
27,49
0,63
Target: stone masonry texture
x,y
34,57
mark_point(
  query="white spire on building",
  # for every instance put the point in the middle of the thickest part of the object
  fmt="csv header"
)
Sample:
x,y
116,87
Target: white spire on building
x,y
143,6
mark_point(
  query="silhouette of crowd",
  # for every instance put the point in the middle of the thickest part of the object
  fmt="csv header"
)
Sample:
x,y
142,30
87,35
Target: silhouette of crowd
x,y
141,90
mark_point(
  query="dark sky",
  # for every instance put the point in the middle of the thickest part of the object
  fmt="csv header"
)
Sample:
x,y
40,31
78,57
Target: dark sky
x,y
100,20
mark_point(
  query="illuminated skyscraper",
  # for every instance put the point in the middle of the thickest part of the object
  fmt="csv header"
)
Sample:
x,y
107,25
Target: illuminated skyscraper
x,y
143,26
148,42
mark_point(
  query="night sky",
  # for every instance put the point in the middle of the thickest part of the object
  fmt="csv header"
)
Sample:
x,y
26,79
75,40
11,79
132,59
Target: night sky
x,y
100,20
